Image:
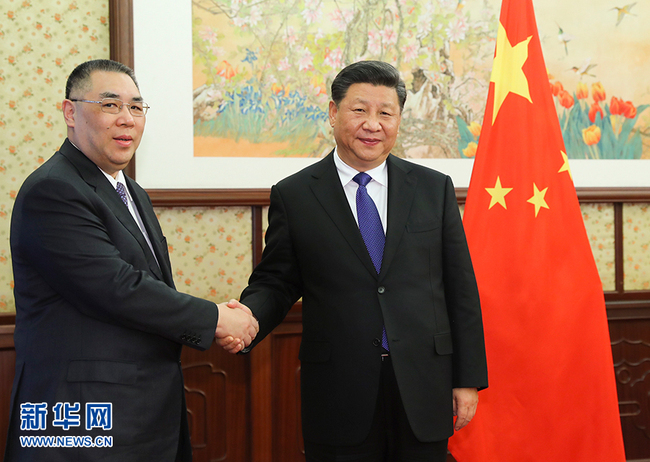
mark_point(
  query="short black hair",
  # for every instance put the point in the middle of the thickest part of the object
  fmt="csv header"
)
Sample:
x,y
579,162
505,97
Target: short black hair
x,y
372,72
80,77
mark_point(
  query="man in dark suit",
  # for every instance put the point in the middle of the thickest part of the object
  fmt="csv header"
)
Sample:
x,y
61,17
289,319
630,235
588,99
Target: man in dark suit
x,y
366,395
99,325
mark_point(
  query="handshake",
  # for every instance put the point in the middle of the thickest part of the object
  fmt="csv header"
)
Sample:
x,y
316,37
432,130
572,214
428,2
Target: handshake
x,y
236,327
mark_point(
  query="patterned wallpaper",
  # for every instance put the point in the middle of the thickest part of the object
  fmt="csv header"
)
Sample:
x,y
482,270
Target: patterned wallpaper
x,y
636,240
210,249
599,222
41,42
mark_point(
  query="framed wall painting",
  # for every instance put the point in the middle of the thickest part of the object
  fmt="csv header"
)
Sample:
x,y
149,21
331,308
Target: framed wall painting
x,y
169,35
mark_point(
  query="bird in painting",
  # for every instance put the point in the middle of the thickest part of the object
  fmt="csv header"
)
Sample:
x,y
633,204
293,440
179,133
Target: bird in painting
x,y
622,11
584,68
564,38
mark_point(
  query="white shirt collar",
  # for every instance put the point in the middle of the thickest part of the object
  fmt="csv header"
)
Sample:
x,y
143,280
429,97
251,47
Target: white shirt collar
x,y
120,178
347,173
114,181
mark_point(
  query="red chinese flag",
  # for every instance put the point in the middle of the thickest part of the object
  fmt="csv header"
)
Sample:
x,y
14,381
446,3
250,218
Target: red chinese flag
x,y
552,394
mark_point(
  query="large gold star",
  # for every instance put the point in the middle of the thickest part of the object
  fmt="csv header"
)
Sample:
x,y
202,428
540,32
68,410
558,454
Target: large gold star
x,y
565,166
498,194
507,71
538,199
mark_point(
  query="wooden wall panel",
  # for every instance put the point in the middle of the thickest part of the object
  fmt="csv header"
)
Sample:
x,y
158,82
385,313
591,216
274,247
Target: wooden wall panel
x,y
7,368
247,408
216,391
275,384
631,351
287,440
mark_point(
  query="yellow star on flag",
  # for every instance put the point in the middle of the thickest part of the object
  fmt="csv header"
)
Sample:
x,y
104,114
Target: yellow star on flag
x,y
507,71
565,166
538,199
498,194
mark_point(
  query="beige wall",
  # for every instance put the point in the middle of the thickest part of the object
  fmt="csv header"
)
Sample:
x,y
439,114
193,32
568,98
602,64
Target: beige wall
x,y
210,248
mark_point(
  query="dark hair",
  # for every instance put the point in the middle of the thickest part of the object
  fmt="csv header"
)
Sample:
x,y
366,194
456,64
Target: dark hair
x,y
372,72
80,77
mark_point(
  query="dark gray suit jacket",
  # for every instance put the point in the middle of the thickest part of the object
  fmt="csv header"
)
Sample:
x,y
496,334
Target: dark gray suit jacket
x,y
97,320
426,296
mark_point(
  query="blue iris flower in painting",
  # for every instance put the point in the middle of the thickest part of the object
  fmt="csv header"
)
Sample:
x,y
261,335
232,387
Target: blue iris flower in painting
x,y
250,56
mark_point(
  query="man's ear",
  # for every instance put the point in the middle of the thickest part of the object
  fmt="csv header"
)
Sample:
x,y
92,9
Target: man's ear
x,y
333,110
69,112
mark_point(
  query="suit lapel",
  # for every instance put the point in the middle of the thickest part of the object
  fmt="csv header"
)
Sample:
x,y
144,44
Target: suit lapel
x,y
150,222
327,188
401,190
95,178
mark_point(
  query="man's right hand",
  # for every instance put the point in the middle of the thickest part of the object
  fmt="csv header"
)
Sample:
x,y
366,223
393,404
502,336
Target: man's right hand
x,y
236,327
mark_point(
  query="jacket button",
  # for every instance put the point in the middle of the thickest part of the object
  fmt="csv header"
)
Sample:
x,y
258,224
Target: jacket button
x,y
376,342
381,289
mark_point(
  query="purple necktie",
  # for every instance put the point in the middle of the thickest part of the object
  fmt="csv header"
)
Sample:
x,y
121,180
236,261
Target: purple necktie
x,y
121,190
371,229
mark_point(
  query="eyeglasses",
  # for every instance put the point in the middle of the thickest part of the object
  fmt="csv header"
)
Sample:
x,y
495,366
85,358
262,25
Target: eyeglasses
x,y
114,106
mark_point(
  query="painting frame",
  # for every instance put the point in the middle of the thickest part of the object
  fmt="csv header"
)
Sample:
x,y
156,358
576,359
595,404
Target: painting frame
x,y
592,177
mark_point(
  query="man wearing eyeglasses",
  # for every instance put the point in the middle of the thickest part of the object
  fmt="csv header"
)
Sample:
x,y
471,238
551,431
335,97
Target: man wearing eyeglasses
x,y
99,325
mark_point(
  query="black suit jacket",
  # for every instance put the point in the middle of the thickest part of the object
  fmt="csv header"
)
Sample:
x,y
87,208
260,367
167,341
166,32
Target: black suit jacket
x,y
426,296
97,320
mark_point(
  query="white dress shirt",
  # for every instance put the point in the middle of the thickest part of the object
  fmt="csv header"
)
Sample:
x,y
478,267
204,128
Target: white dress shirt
x,y
131,205
377,188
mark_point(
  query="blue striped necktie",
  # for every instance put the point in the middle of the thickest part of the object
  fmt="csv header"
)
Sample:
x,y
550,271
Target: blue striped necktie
x,y
371,229
121,190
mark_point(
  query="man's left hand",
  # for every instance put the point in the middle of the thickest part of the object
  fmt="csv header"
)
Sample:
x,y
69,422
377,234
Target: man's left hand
x,y
465,403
